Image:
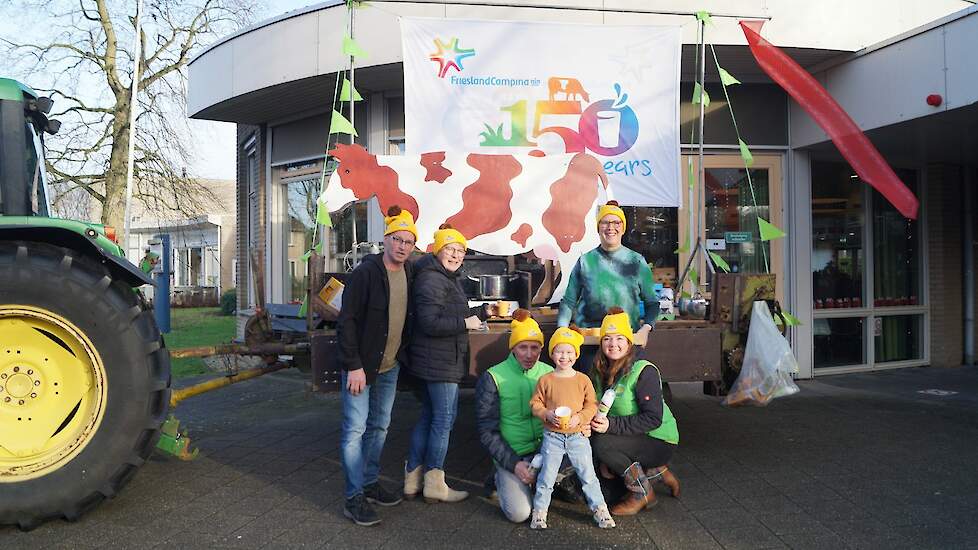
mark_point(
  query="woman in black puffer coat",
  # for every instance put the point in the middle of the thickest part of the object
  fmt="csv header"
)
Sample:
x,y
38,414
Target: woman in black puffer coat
x,y
439,344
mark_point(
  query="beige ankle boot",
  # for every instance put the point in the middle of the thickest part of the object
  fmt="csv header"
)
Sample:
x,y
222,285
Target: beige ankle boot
x,y
412,482
436,490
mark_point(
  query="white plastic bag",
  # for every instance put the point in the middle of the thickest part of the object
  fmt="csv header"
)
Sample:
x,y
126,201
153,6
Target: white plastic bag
x,y
768,363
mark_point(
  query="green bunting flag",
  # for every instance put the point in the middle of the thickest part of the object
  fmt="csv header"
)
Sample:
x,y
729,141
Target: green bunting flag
x,y
699,91
322,213
726,78
791,319
350,47
338,124
704,16
302,308
683,247
305,257
745,154
690,177
685,294
694,276
345,92
769,232
720,262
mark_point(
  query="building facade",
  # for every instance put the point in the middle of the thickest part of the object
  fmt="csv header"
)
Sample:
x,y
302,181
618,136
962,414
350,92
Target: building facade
x,y
872,289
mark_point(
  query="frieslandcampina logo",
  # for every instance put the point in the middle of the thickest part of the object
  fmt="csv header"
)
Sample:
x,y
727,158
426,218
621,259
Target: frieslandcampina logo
x,y
449,55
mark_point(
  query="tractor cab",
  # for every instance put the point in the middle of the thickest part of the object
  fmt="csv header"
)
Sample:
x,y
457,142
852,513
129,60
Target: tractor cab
x,y
23,122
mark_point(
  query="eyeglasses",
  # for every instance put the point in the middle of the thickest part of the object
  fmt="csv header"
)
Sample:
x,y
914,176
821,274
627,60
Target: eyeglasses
x,y
399,241
454,251
612,223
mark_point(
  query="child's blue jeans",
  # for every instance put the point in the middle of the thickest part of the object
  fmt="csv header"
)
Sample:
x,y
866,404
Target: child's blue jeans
x,y
578,450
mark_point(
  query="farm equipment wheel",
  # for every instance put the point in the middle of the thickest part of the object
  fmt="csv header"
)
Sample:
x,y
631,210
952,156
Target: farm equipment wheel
x,y
84,383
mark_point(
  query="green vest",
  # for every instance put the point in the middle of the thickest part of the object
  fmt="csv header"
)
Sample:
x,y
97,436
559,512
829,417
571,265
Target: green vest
x,y
626,405
521,430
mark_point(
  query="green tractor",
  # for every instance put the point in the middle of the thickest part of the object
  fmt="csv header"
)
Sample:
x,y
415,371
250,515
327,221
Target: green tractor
x,y
84,373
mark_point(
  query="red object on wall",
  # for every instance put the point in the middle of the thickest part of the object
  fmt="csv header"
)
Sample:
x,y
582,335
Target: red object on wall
x,y
935,100
827,113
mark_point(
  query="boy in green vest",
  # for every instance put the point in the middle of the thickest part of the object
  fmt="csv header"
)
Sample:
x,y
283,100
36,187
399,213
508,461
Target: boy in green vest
x,y
507,428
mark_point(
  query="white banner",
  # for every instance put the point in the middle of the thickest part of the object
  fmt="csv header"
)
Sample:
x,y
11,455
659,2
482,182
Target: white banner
x,y
521,87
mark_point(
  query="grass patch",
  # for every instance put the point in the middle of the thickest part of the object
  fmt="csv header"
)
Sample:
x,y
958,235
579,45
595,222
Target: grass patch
x,y
192,327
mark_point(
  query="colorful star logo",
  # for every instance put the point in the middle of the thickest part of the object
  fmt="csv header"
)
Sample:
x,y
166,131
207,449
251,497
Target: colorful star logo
x,y
449,55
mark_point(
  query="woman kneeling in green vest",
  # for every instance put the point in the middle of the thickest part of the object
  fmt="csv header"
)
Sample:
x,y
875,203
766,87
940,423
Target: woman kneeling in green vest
x,y
639,434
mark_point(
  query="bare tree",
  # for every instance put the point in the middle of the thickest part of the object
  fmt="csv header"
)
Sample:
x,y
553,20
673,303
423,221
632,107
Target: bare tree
x,y
85,58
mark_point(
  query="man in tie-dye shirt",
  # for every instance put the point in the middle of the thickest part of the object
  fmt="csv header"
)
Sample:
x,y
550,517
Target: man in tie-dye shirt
x,y
610,275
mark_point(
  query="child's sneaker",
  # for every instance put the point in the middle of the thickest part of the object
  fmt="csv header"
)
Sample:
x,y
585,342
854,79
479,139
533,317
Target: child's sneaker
x,y
603,518
538,520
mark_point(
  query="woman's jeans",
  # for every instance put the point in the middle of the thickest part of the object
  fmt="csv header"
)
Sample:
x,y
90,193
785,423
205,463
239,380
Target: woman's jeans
x,y
578,450
429,440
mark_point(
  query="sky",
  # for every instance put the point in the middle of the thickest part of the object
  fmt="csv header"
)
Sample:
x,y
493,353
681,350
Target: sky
x,y
213,141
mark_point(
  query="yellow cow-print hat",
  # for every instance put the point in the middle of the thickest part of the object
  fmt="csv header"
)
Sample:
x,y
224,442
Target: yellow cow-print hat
x,y
446,234
611,207
524,328
399,220
617,322
567,335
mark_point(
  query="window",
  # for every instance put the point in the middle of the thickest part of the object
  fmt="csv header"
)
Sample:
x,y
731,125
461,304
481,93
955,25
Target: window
x,y
300,229
837,237
855,233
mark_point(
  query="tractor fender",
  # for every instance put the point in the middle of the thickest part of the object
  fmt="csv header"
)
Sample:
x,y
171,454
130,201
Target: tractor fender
x,y
120,268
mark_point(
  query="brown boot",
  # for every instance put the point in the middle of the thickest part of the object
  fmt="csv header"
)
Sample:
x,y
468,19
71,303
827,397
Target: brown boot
x,y
640,493
664,475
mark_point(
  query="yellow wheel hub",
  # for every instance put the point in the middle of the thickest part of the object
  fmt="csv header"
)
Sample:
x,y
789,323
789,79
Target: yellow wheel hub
x,y
52,392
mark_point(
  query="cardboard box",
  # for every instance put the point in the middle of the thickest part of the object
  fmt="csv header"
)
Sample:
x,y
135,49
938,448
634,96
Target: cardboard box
x,y
332,295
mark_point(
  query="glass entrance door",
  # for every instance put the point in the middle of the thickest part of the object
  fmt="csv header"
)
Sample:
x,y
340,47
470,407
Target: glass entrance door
x,y
729,204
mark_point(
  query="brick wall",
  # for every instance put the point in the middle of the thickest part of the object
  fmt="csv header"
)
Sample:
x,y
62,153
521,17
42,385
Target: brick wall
x,y
944,215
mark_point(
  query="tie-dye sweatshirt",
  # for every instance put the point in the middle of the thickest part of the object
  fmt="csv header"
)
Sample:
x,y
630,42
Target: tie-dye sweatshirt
x,y
603,279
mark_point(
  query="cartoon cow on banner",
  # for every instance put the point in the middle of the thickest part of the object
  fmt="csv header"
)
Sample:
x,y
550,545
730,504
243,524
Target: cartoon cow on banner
x,y
503,204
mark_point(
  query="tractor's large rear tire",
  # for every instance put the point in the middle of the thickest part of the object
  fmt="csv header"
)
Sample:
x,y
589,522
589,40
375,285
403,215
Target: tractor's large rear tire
x,y
84,383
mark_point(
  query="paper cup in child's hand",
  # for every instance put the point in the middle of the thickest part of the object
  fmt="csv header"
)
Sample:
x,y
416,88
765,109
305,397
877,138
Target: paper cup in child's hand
x,y
563,415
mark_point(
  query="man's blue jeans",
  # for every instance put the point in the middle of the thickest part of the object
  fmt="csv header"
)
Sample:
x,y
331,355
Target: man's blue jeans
x,y
429,440
578,450
365,421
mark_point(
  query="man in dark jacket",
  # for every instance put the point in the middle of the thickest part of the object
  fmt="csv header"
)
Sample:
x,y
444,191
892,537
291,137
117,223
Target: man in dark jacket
x,y
373,330
507,428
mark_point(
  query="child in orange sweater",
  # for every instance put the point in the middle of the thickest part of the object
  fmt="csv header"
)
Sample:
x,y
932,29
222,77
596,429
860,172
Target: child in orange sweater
x,y
565,387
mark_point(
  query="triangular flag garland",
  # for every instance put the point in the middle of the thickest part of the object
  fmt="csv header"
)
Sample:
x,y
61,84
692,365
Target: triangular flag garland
x,y
698,92
745,154
769,231
322,214
350,47
345,92
694,276
338,124
726,78
789,319
303,307
720,262
704,16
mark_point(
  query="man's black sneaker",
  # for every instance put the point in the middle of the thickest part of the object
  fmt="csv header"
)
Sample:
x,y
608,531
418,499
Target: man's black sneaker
x,y
379,495
360,511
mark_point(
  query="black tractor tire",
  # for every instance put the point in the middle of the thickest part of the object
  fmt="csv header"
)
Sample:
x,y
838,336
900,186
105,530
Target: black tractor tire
x,y
120,326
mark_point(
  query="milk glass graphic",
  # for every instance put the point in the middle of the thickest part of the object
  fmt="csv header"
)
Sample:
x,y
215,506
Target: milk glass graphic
x,y
609,124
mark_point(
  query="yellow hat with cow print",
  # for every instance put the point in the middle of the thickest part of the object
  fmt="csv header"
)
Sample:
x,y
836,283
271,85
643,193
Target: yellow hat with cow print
x,y
399,220
611,207
566,335
448,235
617,322
524,328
